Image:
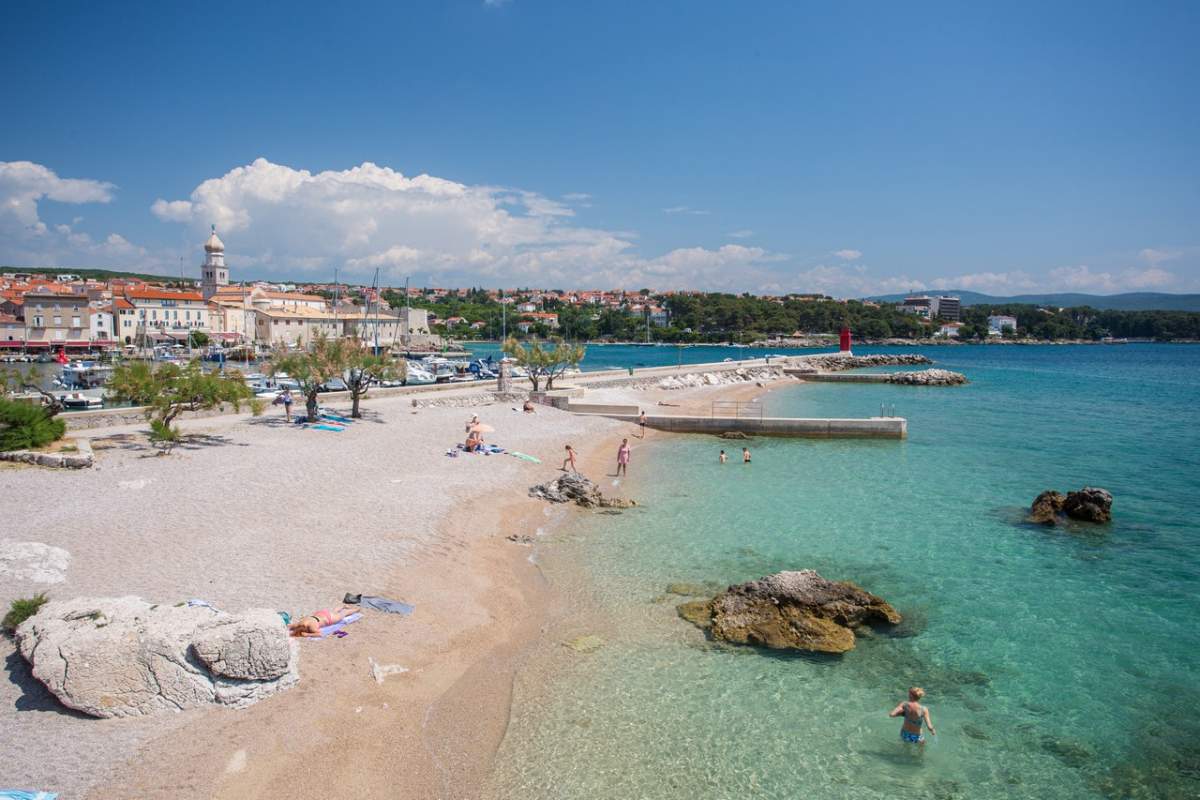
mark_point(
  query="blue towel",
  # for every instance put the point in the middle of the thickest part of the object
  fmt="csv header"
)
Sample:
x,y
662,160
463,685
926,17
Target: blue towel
x,y
327,427
329,630
335,417
17,794
383,604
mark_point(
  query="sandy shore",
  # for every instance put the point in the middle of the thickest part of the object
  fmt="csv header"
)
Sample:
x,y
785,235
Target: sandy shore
x,y
256,513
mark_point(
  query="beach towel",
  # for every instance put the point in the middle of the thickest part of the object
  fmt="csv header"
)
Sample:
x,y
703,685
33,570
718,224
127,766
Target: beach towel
x,y
196,603
385,605
330,630
335,417
17,794
326,427
525,457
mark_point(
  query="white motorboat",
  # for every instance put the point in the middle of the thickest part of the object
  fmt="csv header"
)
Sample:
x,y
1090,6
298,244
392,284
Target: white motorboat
x,y
80,401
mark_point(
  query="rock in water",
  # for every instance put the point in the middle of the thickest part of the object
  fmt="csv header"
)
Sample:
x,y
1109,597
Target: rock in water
x,y
123,657
573,487
790,610
1046,507
1089,504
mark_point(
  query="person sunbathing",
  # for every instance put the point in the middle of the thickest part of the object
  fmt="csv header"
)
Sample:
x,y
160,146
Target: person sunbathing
x,y
474,440
311,625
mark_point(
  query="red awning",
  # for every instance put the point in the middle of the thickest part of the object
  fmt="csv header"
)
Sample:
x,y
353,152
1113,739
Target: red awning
x,y
12,343
75,344
37,344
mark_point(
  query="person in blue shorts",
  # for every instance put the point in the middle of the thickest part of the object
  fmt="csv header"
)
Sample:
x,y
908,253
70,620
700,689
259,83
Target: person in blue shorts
x,y
915,716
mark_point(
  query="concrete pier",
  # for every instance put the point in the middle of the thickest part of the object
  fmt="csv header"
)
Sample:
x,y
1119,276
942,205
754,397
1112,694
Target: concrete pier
x,y
837,377
870,428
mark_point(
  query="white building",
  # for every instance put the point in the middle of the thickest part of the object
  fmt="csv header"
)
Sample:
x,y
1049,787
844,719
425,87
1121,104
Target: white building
x,y
997,324
213,272
102,330
950,330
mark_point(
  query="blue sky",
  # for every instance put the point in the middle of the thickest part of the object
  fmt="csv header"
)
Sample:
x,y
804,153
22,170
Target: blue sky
x,y
847,148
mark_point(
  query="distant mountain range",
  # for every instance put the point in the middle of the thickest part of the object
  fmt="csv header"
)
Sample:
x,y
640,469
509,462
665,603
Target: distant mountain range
x,y
1130,301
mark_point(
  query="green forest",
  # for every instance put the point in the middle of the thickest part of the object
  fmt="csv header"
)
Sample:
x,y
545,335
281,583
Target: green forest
x,y
719,317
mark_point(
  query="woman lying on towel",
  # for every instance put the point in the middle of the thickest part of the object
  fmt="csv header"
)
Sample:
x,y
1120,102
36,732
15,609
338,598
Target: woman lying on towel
x,y
311,625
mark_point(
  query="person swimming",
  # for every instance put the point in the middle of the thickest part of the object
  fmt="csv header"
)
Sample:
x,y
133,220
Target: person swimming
x,y
915,716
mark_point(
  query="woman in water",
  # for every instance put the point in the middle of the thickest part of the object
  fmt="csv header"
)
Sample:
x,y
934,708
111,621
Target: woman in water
x,y
310,626
915,715
623,458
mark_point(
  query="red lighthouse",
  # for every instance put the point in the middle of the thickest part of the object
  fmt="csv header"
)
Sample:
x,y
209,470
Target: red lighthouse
x,y
845,343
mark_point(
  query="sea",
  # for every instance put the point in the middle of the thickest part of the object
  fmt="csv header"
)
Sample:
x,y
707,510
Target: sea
x,y
1058,662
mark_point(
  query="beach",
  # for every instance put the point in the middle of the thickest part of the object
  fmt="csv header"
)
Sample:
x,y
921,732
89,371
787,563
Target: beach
x,y
255,513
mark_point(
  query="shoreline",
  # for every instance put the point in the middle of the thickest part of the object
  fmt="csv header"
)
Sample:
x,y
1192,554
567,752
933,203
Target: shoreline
x,y
482,603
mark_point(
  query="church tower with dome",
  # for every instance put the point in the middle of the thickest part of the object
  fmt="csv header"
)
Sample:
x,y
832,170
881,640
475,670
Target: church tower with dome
x,y
214,273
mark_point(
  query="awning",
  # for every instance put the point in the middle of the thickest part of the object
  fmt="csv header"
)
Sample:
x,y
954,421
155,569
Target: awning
x,y
76,344
12,343
37,344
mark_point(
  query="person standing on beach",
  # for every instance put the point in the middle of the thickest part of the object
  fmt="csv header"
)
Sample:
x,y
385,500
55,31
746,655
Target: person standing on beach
x,y
285,399
623,458
915,716
745,455
570,459
642,422
723,458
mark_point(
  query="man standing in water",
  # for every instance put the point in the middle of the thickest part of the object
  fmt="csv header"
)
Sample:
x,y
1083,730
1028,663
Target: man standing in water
x,y
915,715
745,455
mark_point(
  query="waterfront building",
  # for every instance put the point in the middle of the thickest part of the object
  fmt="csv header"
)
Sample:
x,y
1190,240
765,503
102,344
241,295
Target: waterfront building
x,y
949,329
164,315
298,327
12,331
214,273
56,319
998,322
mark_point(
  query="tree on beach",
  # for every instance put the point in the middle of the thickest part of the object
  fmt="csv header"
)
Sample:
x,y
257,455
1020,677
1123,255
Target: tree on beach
x,y
311,368
170,389
364,367
548,362
16,381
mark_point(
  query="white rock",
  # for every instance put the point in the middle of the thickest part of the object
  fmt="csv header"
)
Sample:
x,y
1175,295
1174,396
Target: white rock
x,y
33,561
121,657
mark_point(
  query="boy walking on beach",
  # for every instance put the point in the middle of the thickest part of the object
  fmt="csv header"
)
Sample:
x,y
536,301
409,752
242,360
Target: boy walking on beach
x,y
570,459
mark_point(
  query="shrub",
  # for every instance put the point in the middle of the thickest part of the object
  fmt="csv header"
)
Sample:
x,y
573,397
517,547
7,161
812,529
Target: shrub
x,y
162,432
21,610
24,426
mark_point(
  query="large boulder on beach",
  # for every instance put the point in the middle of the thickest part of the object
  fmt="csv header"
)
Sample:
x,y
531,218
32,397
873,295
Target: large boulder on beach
x,y
1089,504
796,610
572,487
125,657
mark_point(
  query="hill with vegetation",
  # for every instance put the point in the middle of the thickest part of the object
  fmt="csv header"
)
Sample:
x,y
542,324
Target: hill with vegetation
x,y
1130,301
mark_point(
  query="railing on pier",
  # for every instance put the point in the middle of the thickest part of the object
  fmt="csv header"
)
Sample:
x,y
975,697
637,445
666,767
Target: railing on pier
x,y
737,409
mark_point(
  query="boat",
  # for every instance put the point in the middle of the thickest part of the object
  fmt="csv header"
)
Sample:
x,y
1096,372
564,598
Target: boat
x,y
83,375
78,401
417,375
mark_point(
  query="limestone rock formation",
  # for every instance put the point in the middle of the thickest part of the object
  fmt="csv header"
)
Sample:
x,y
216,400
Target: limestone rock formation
x,y
123,657
1089,504
572,487
928,377
836,362
797,610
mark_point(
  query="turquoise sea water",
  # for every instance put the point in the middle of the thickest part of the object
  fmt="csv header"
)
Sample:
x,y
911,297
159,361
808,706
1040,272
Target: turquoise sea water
x,y
1058,663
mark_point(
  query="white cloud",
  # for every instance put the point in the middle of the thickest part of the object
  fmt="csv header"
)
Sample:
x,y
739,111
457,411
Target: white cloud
x,y
743,233
292,221
1154,256
848,255
847,281
685,210
26,240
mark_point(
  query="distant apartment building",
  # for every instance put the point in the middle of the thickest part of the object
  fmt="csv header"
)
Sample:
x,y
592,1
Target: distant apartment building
x,y
997,324
161,314
945,307
57,319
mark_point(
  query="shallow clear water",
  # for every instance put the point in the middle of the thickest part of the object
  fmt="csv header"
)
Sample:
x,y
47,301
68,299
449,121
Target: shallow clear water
x,y
1057,662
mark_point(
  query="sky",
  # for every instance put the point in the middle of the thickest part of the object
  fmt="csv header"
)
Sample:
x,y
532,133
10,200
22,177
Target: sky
x,y
848,148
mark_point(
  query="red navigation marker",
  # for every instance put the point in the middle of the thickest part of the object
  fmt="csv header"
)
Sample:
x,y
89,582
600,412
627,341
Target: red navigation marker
x,y
845,348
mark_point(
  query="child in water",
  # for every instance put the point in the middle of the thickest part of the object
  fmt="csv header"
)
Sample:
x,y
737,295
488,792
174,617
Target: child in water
x,y
915,715
723,458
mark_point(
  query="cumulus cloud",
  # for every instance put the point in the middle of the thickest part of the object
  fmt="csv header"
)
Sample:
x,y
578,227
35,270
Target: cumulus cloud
x,y
1154,256
742,233
26,240
286,220
685,210
848,255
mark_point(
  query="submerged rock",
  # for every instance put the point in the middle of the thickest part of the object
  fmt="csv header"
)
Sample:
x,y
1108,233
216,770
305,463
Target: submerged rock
x,y
1089,504
797,610
123,657
573,487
